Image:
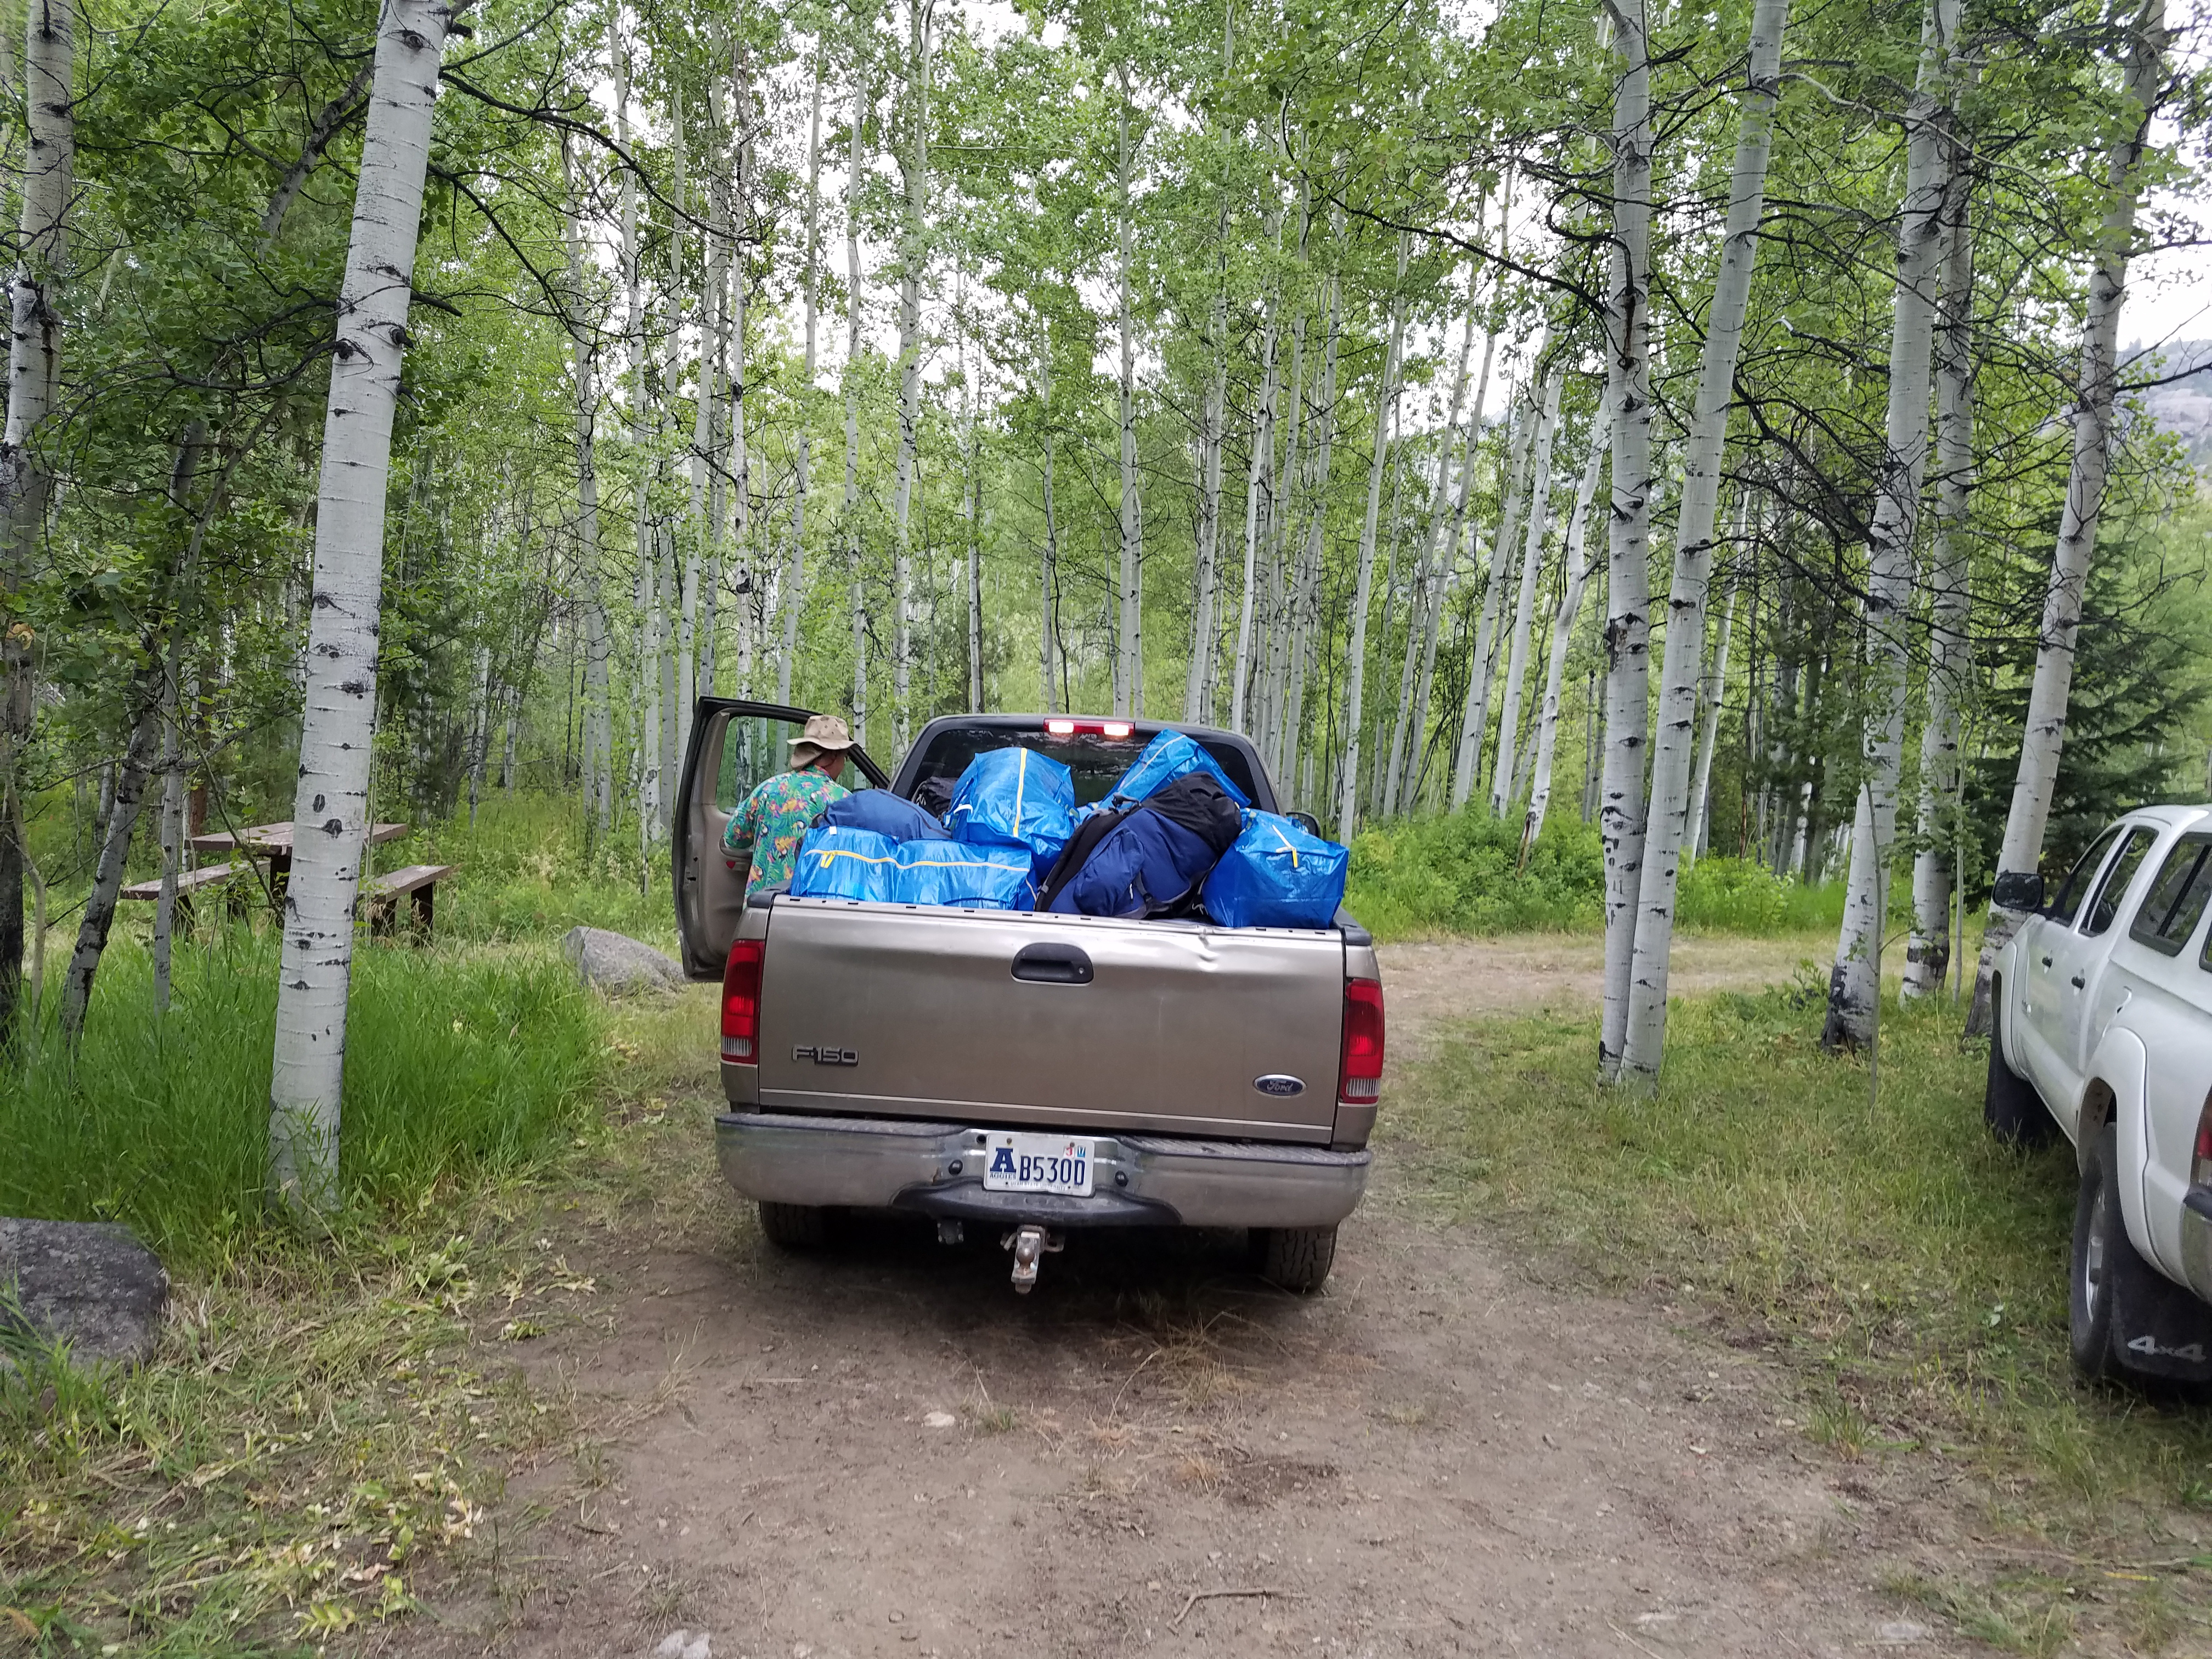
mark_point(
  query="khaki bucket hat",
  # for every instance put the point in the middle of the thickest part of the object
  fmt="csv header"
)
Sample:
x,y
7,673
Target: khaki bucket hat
x,y
822,732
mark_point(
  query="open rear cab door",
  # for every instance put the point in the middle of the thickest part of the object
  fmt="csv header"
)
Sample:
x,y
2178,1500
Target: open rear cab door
x,y
735,745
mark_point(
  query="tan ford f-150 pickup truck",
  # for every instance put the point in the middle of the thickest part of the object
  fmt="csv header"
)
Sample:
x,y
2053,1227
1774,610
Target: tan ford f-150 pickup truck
x,y
1026,1071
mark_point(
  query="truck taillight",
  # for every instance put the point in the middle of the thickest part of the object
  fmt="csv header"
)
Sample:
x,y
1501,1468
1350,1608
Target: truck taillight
x,y
1068,728
2200,1167
741,989
1360,1080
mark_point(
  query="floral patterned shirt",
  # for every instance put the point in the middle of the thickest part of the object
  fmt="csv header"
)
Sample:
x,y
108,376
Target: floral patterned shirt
x,y
773,820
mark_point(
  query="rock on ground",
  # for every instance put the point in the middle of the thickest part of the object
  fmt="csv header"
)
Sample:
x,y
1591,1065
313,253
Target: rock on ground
x,y
90,1284
617,965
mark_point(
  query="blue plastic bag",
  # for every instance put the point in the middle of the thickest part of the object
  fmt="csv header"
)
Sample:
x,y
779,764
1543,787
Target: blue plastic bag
x,y
1166,758
1276,875
886,814
1015,796
836,861
974,875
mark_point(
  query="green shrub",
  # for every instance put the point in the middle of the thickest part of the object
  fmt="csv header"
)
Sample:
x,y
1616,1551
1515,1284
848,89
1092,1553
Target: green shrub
x,y
521,872
455,1064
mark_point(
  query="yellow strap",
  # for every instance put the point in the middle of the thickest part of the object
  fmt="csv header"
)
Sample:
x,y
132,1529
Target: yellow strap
x,y
1289,846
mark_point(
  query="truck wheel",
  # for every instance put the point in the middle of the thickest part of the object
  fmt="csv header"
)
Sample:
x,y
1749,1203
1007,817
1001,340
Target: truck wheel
x,y
1295,1258
2015,1112
795,1226
2126,1321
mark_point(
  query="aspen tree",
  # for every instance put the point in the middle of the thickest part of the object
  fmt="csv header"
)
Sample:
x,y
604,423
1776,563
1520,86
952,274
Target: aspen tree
x,y
1667,816
1355,664
36,290
329,831
1855,983
795,556
2092,419
1716,687
913,162
1577,557
850,380
1255,486
1475,720
1129,653
1524,608
1628,621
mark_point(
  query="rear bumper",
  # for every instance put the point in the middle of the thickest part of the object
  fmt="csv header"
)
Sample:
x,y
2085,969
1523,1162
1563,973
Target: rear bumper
x,y
935,1169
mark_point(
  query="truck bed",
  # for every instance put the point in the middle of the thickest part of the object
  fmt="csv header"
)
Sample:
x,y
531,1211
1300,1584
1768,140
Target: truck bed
x,y
1074,1022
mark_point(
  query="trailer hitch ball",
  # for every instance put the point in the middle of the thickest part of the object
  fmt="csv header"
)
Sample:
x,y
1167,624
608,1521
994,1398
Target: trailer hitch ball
x,y
1028,1245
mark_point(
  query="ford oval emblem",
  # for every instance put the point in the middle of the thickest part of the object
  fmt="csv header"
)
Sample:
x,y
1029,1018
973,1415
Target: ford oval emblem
x,y
1279,1085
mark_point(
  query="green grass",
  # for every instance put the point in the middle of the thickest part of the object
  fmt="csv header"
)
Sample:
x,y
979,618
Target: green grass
x,y
457,1061
1462,873
1908,1272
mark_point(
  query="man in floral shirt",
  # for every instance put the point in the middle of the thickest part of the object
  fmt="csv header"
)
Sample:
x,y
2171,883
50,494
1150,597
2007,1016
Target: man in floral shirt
x,y
774,819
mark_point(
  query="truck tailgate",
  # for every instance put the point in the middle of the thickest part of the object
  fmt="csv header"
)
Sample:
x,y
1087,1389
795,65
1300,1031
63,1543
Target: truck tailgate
x,y
909,1010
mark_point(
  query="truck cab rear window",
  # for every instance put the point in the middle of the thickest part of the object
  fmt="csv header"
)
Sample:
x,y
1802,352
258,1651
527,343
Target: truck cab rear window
x,y
1097,761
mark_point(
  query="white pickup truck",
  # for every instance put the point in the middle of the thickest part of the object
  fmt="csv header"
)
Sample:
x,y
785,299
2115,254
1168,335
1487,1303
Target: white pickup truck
x,y
1026,1071
2103,1032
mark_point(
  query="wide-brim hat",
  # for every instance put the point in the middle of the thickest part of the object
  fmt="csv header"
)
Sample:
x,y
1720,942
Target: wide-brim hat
x,y
823,732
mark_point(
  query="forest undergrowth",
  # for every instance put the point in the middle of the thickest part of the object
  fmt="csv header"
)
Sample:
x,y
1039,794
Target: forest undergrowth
x,y
1907,1272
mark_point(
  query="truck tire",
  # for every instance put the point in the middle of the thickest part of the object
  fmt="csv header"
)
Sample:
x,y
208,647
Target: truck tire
x,y
2126,1321
795,1226
2015,1112
1297,1259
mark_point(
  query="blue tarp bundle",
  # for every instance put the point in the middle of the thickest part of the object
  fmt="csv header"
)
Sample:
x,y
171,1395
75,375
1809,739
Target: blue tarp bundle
x,y
1276,875
971,874
884,812
836,861
1167,757
1014,797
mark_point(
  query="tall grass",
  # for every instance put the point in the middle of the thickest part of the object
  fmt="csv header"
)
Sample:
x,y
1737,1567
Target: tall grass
x,y
1462,873
458,1064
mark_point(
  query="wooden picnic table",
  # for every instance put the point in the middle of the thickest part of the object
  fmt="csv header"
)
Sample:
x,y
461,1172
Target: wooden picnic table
x,y
273,841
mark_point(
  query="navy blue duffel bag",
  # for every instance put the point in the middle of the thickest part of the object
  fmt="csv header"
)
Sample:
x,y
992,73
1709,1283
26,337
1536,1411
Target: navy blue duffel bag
x,y
1149,860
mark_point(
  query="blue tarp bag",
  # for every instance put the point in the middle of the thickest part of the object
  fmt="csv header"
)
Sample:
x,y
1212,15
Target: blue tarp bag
x,y
1167,757
972,875
884,813
1276,875
1014,797
834,861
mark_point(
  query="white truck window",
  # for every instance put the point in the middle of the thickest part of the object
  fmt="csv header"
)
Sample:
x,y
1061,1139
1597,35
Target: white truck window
x,y
2104,909
2176,899
2075,887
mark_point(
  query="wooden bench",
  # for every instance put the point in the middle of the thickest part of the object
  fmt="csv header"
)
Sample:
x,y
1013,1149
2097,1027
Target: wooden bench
x,y
192,882
417,881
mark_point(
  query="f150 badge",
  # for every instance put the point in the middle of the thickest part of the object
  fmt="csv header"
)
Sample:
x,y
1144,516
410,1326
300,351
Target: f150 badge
x,y
1281,1087
822,1054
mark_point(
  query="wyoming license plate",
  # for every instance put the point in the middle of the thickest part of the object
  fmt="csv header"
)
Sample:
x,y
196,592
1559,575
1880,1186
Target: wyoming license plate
x,y
1038,1163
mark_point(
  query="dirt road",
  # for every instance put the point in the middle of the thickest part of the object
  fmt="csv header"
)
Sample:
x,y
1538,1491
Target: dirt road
x,y
883,1451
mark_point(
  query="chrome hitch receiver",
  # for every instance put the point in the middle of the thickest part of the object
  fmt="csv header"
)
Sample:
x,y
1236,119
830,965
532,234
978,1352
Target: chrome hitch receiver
x,y
1028,1245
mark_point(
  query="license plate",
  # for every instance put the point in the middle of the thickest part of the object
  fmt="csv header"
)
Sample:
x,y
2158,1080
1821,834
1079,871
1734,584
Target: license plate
x,y
1038,1163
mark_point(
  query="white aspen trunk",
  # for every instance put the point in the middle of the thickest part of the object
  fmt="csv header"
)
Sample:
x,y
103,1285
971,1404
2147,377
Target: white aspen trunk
x,y
1255,484
1476,721
1927,955
974,554
1855,984
1201,674
1307,605
598,718
915,163
1283,563
1628,620
35,292
704,523
1386,414
1129,653
1049,570
850,377
1524,607
1667,816
1701,805
1576,556
480,719
2044,733
1421,630
329,831
794,567
176,700
730,339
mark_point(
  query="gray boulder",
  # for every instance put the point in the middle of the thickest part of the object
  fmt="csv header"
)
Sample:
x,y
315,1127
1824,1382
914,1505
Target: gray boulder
x,y
616,965
92,1284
